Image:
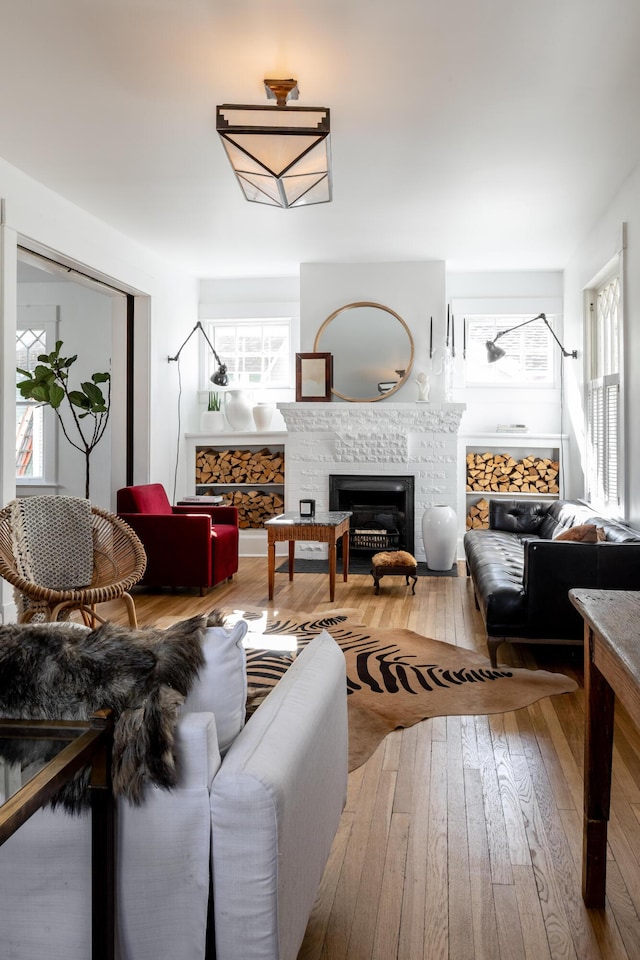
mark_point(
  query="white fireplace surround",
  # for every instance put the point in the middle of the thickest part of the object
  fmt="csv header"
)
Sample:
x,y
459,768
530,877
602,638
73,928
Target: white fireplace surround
x,y
407,439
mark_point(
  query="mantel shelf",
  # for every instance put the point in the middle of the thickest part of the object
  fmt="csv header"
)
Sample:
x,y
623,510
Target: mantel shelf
x,y
246,436
537,438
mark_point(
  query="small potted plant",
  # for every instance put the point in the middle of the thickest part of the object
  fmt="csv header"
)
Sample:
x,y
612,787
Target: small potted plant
x,y
212,419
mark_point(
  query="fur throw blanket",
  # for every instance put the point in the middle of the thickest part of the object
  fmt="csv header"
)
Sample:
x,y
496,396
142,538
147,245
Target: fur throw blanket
x,y
60,671
393,558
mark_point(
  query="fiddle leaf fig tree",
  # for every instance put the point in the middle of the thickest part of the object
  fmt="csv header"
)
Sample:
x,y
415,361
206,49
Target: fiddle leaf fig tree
x,y
48,384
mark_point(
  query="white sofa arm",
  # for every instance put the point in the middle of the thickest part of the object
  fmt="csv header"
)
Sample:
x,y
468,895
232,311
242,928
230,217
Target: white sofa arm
x,y
163,862
276,804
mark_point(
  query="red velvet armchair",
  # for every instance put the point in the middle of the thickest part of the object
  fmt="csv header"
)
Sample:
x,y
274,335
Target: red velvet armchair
x,y
194,546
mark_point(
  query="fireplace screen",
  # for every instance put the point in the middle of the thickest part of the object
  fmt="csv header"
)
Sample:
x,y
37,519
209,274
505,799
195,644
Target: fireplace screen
x,y
375,527
382,511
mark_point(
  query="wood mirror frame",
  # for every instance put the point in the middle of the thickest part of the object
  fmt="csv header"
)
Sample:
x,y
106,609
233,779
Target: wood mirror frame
x,y
382,353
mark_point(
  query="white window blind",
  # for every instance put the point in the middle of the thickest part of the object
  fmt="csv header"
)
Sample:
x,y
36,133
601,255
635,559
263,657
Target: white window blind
x,y
603,397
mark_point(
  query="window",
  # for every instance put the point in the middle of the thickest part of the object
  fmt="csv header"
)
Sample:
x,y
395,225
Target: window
x,y
257,352
603,395
529,351
35,438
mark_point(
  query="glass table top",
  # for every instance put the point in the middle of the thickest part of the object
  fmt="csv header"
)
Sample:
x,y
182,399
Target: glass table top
x,y
332,518
22,757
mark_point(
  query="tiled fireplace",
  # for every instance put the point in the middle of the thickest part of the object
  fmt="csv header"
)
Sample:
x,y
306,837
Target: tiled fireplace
x,y
392,440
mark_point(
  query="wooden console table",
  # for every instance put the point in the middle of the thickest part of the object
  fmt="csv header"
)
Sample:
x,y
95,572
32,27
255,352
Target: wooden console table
x,y
611,668
79,743
323,528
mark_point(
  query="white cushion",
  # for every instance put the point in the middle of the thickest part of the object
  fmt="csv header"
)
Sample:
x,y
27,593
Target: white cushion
x,y
276,803
221,687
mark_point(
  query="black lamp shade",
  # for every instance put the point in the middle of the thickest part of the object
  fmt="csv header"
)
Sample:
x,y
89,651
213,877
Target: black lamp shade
x,y
494,352
220,377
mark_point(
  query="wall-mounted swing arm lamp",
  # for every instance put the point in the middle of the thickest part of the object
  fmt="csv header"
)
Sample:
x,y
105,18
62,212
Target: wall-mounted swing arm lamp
x,y
494,352
220,377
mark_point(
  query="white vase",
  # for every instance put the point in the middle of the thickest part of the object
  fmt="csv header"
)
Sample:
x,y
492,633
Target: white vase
x,y
440,536
263,414
238,410
212,421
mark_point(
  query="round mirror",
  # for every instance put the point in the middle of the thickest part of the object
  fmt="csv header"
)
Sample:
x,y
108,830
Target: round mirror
x,y
372,351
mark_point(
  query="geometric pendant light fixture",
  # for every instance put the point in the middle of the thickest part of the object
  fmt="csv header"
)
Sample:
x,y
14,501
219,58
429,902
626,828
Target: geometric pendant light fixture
x,y
280,155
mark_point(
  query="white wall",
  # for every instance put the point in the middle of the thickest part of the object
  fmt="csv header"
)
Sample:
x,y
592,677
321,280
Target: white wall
x,y
593,254
415,291
246,299
528,293
168,301
42,218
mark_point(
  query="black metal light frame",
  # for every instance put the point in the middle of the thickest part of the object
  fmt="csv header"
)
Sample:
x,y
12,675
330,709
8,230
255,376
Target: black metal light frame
x,y
494,352
220,377
246,131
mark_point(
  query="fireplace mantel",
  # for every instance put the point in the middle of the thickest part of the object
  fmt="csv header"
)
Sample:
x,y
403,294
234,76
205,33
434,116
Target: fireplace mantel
x,y
384,417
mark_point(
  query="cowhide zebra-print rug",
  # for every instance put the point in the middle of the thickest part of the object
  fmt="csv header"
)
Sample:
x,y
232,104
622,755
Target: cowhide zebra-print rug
x,y
396,677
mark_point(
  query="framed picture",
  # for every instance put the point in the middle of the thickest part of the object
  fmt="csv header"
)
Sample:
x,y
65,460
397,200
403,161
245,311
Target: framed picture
x,y
314,375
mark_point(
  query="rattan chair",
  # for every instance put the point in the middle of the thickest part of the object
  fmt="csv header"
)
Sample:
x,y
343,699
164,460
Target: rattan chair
x,y
119,562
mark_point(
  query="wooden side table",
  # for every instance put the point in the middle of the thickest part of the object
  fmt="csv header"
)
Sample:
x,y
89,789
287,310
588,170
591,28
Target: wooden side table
x,y
611,668
80,742
323,528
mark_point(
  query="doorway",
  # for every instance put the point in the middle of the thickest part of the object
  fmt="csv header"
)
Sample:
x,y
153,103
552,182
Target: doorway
x,y
94,321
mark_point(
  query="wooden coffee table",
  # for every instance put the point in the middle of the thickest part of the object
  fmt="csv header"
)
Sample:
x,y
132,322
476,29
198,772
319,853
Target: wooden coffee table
x,y
323,528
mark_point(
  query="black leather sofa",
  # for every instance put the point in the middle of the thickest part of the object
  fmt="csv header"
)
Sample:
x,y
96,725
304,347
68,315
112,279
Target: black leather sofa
x,y
522,575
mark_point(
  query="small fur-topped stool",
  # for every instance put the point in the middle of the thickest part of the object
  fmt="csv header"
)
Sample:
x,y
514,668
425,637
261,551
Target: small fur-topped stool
x,y
392,563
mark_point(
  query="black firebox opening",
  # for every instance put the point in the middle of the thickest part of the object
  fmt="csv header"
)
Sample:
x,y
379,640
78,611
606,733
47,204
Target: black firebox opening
x,y
382,508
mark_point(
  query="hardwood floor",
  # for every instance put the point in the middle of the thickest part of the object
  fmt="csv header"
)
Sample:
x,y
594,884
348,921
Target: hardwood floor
x,y
462,836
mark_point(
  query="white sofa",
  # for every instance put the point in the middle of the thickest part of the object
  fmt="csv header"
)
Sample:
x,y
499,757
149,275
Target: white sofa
x,y
259,824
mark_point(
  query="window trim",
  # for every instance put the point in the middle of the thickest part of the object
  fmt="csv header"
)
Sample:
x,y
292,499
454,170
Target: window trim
x,y
49,476
528,308
210,322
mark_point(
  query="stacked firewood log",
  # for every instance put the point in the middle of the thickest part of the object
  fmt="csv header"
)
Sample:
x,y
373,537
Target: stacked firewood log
x,y
501,473
478,515
254,506
250,468
239,466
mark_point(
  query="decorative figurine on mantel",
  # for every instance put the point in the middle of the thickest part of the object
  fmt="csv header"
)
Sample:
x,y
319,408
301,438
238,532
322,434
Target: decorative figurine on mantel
x,y
422,381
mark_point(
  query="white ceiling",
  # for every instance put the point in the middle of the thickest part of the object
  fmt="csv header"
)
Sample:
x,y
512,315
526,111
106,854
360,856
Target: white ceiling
x,y
487,133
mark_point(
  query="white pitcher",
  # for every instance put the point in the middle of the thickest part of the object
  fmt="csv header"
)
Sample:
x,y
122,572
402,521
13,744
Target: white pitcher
x,y
238,410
